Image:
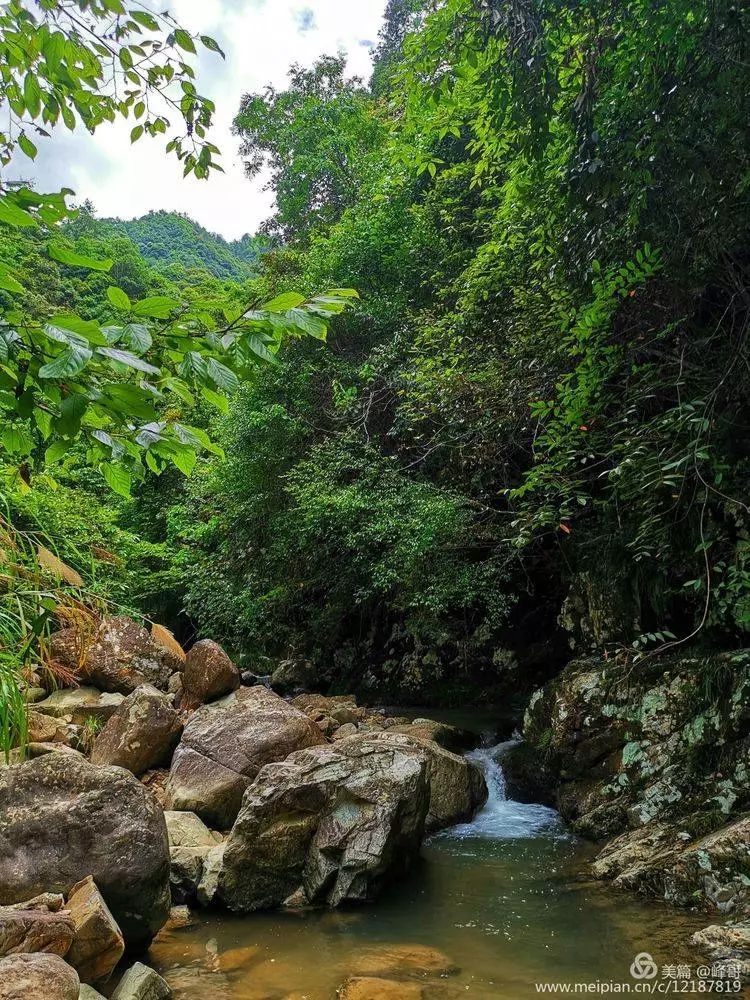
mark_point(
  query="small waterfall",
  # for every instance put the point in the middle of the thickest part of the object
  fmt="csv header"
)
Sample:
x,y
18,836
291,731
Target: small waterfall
x,y
502,818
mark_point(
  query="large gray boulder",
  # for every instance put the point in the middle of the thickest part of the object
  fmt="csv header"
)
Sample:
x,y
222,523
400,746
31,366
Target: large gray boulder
x,y
120,657
208,673
141,734
225,745
80,704
62,819
37,977
336,821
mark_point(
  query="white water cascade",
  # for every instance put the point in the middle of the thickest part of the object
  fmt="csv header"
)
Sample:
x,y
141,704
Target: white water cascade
x,y
501,818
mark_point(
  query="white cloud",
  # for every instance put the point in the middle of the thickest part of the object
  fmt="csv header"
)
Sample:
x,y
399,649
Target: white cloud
x,y
261,39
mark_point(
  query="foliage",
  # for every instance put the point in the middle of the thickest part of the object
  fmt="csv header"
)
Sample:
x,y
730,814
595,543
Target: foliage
x,y
549,229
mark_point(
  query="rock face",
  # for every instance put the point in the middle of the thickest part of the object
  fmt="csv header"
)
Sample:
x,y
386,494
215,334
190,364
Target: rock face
x,y
121,656
62,819
336,821
35,930
449,737
654,755
37,977
141,734
224,746
98,944
208,674
141,983
457,785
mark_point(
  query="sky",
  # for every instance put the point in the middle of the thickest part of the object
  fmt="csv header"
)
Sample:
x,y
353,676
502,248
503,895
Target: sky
x,y
261,38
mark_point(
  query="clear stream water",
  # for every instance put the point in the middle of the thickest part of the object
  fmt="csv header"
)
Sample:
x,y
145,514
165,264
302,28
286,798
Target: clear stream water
x,y
504,898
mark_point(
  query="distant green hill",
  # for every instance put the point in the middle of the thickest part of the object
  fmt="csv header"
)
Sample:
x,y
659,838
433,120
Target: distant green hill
x,y
171,241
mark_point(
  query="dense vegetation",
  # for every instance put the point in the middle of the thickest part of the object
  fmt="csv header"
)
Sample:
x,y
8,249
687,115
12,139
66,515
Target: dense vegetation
x,y
531,431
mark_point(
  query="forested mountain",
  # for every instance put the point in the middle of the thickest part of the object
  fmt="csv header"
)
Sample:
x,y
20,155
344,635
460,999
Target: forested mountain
x,y
171,240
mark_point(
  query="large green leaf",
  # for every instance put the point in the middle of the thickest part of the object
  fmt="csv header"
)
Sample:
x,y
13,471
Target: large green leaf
x,y
157,306
283,302
118,298
117,477
126,358
72,360
17,439
59,252
136,336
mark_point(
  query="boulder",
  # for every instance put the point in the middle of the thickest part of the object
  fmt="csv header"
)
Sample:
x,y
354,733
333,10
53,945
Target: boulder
x,y
450,737
35,930
80,704
208,674
349,729
340,821
528,777
457,785
208,886
121,656
728,946
141,734
98,944
142,983
185,829
89,993
185,873
46,728
292,676
37,977
62,819
225,745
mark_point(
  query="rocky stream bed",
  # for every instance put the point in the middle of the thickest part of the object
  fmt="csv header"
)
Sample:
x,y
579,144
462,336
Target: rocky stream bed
x,y
180,829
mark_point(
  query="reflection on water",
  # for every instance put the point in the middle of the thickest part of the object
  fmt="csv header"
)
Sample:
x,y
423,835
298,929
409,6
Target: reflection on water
x,y
492,907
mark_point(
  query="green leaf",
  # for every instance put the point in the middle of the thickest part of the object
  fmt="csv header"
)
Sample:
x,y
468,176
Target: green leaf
x,y
136,336
309,322
73,259
184,40
27,146
56,451
212,44
72,410
12,215
283,302
126,358
136,133
118,298
117,477
7,282
17,439
224,377
185,459
72,360
158,306
215,399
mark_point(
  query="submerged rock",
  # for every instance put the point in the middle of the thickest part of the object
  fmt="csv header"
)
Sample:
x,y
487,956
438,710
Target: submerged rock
x,y
62,819
37,977
225,745
727,946
208,673
141,734
372,988
142,983
338,821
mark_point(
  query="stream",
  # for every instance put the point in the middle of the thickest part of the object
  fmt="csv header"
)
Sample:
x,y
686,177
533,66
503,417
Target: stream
x,y
504,898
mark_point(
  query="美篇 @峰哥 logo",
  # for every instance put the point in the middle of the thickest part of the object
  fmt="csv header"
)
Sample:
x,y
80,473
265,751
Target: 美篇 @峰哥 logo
x,y
643,967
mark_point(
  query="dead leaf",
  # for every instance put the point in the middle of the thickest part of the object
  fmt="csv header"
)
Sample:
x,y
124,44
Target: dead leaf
x,y
49,561
164,638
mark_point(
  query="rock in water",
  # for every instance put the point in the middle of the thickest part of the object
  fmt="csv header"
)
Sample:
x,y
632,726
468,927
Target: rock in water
x,y
37,977
98,944
142,983
141,734
338,821
224,746
121,657
62,819
208,673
